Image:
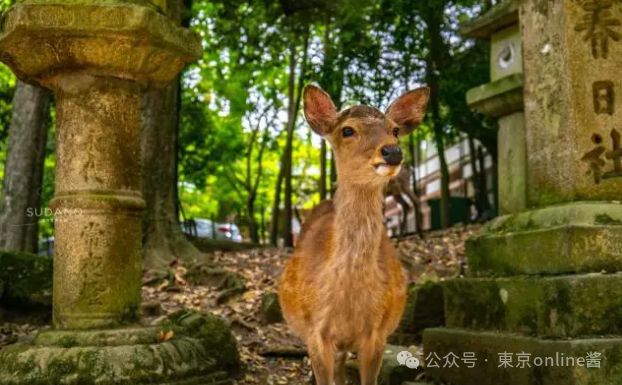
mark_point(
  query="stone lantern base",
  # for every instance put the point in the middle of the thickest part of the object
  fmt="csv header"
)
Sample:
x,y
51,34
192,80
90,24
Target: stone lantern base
x,y
201,351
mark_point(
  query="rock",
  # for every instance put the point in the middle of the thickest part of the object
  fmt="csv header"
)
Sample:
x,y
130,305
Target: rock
x,y
198,349
271,309
215,332
27,280
424,309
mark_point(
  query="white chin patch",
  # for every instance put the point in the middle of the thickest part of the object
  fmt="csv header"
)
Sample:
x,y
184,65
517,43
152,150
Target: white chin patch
x,y
386,170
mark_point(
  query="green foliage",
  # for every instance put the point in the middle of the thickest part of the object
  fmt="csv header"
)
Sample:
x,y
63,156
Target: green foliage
x,y
234,99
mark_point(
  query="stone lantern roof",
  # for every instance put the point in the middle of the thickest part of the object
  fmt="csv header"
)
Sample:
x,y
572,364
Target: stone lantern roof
x,y
497,18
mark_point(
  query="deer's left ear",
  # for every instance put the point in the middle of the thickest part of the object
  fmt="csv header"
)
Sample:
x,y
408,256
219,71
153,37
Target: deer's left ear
x,y
409,109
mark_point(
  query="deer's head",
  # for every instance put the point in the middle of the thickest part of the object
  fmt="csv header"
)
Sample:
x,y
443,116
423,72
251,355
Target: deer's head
x,y
364,139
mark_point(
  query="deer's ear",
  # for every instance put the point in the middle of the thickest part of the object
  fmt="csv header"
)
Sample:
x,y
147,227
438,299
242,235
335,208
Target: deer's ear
x,y
319,109
409,109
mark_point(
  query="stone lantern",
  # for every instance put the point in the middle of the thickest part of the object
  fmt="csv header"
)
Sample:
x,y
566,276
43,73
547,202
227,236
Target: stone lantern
x,y
502,98
97,57
541,300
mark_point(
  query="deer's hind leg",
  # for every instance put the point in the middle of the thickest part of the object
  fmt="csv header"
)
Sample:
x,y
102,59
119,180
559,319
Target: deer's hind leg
x,y
322,354
370,358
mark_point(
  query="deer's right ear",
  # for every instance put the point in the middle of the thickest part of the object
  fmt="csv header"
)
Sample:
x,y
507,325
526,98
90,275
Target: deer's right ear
x,y
320,110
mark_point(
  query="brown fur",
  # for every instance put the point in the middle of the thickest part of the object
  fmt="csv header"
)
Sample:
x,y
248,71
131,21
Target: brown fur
x,y
344,289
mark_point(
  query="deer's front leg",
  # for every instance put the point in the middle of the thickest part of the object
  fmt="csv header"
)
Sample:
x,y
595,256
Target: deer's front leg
x,y
370,358
322,354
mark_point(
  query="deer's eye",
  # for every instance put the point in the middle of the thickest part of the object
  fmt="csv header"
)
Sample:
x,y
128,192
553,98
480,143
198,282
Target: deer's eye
x,y
347,131
396,132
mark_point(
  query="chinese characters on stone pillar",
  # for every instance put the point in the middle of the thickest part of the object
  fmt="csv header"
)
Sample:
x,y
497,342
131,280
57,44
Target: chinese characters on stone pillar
x,y
600,26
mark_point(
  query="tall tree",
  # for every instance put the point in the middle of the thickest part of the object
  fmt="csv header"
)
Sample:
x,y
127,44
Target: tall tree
x,y
23,175
294,97
163,240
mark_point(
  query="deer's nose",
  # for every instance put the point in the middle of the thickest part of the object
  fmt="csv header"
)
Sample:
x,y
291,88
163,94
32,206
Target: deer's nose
x,y
392,154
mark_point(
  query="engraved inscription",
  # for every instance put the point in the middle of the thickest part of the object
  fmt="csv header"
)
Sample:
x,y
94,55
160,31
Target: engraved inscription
x,y
599,26
93,286
604,97
598,157
615,155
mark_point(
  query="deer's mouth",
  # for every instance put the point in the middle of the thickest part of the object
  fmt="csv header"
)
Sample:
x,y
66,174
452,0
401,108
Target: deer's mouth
x,y
385,169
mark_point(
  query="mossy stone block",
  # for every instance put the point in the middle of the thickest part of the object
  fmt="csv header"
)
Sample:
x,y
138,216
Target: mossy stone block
x,y
560,307
552,362
424,309
201,350
580,237
27,279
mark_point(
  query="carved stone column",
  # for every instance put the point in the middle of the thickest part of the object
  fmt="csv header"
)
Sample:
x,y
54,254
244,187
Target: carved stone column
x,y
97,57
541,302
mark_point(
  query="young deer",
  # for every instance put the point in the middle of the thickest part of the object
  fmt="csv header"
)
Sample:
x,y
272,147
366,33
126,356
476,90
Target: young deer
x,y
344,289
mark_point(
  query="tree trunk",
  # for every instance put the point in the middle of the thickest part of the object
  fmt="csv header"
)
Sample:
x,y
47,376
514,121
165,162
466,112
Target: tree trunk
x,y
163,240
274,224
294,94
483,184
322,186
434,20
414,164
23,172
482,203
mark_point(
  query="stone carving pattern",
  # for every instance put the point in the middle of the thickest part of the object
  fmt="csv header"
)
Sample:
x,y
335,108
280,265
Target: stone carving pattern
x,y
599,25
94,286
598,157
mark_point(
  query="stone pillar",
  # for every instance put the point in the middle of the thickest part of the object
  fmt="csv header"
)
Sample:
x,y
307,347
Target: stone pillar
x,y
502,98
546,283
97,57
98,264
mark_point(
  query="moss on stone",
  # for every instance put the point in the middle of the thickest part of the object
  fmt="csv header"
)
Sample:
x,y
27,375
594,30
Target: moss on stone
x,y
218,341
605,219
558,307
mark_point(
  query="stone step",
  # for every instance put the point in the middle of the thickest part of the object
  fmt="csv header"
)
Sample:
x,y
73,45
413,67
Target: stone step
x,y
581,237
564,306
424,309
463,357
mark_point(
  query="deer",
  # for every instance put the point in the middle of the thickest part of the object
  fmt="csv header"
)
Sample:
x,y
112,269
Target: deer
x,y
344,289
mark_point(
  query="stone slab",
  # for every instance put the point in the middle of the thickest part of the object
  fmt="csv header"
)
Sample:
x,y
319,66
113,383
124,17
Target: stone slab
x,y
117,39
424,309
502,15
580,237
498,98
560,307
549,360
198,349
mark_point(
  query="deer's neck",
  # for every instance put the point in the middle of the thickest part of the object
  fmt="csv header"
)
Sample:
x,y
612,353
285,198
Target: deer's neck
x,y
358,224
